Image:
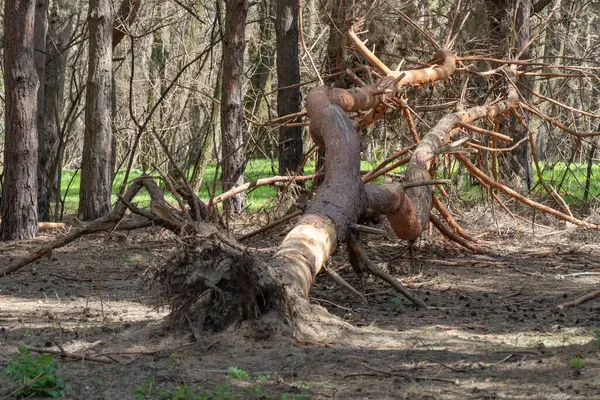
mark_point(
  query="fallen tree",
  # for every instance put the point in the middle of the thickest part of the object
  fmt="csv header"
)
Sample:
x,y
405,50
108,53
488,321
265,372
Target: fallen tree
x,y
212,280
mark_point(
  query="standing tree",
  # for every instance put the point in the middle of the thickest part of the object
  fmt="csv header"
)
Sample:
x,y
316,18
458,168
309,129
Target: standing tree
x,y
510,24
19,195
39,56
96,164
289,100
232,103
60,27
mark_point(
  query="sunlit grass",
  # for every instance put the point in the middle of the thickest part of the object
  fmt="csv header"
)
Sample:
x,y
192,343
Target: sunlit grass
x,y
259,198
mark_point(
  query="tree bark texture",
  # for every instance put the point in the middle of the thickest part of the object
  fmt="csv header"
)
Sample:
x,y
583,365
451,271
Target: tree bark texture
x,y
337,38
261,58
19,196
50,135
95,191
232,103
289,101
41,26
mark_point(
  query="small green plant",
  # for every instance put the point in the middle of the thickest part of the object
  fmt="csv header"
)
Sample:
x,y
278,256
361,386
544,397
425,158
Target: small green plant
x,y
577,363
223,391
182,392
597,337
396,304
237,373
34,376
139,393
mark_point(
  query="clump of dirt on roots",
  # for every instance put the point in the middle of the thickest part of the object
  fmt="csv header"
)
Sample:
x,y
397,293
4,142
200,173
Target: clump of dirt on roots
x,y
209,284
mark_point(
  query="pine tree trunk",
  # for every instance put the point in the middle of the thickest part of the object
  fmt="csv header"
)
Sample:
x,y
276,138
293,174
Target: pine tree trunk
x,y
207,132
95,191
261,57
60,28
41,25
232,105
289,101
19,195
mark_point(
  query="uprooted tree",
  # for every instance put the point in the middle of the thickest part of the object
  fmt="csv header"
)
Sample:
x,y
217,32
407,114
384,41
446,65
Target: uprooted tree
x,y
213,280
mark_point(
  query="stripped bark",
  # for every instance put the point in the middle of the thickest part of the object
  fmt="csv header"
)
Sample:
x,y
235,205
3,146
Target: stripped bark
x,y
342,197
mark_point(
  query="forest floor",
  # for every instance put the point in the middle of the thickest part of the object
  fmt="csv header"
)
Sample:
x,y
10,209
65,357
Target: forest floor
x,y
493,330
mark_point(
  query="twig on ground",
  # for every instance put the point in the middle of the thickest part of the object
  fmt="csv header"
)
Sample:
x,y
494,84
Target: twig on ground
x,y
79,357
580,300
378,272
342,282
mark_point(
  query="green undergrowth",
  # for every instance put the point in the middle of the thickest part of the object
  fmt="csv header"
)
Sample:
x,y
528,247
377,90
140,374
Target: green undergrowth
x,y
568,182
257,199
33,375
261,198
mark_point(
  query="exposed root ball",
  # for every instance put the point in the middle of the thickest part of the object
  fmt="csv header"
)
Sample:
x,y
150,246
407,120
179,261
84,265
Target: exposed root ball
x,y
210,283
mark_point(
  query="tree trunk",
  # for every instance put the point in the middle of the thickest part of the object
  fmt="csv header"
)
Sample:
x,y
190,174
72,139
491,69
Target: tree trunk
x,y
41,25
516,165
261,55
232,105
94,195
289,101
207,132
125,17
19,195
60,28
337,37
519,161
156,72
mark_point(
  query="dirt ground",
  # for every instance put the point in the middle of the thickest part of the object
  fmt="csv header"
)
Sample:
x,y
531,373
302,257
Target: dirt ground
x,y
493,329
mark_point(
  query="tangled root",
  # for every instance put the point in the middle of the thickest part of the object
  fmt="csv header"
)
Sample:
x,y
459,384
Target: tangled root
x,y
211,282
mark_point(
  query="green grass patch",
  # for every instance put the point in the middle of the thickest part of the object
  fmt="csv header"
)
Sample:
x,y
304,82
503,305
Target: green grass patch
x,y
257,198
572,188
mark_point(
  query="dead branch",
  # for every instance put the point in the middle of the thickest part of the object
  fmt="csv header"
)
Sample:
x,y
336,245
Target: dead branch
x,y
164,215
260,182
418,166
48,225
450,220
381,274
482,131
388,160
444,59
271,225
508,191
454,237
73,356
342,282
581,300
92,227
